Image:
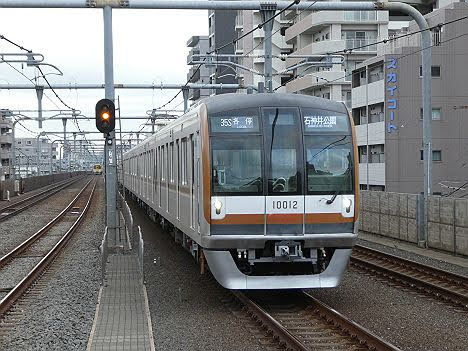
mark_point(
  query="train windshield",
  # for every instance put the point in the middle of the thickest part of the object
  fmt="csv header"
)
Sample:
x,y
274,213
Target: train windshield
x,y
329,164
237,165
283,151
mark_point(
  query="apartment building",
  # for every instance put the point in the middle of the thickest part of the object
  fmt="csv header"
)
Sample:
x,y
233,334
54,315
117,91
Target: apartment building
x,y
198,46
6,140
387,109
27,154
253,45
324,32
221,30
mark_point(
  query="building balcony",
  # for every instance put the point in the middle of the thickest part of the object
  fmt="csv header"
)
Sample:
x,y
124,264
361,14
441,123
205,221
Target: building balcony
x,y
259,33
6,139
375,94
259,59
317,21
5,154
315,79
376,134
376,173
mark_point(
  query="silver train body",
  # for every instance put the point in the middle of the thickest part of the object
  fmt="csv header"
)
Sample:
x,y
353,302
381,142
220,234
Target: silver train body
x,y
262,187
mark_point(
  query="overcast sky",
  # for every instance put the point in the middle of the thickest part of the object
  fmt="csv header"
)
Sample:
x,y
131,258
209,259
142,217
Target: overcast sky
x,y
149,47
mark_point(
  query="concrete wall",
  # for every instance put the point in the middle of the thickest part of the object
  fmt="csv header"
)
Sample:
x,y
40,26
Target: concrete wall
x,y
33,183
397,215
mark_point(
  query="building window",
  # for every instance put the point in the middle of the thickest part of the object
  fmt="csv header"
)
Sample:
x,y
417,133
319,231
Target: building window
x,y
436,113
435,71
28,142
436,36
436,155
19,142
377,153
362,154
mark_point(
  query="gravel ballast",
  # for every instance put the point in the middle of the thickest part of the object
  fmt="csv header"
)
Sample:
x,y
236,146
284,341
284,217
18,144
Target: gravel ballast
x,y
414,256
62,308
186,308
402,317
18,228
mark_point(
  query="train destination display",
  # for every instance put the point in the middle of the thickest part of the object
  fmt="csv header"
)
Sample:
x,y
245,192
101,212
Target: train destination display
x,y
234,124
324,121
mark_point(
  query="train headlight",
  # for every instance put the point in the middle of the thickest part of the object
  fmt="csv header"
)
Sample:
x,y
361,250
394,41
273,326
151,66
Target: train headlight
x,y
347,204
218,205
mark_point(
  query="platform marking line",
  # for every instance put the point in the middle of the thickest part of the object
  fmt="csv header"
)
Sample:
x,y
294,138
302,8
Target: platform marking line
x,y
93,329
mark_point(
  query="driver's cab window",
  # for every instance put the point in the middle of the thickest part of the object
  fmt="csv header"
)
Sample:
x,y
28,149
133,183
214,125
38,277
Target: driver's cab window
x,y
282,150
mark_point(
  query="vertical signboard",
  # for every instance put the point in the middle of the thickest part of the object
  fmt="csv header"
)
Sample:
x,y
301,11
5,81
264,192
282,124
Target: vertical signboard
x,y
392,101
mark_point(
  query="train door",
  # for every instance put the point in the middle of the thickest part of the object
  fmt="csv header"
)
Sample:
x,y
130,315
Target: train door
x,y
197,182
168,168
193,206
285,198
155,172
177,164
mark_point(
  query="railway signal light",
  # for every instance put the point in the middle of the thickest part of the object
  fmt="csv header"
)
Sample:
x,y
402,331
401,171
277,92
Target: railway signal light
x,y
105,116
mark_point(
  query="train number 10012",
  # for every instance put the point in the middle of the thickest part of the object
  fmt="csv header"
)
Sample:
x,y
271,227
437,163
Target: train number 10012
x,y
284,205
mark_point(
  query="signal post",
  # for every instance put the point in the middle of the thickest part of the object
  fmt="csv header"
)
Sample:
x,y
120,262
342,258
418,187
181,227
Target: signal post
x,y
105,122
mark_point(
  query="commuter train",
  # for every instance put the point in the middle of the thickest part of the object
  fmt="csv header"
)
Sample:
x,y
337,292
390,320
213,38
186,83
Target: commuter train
x,y
262,187
97,169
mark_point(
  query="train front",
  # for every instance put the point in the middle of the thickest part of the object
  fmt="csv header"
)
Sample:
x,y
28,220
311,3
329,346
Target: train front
x,y
283,193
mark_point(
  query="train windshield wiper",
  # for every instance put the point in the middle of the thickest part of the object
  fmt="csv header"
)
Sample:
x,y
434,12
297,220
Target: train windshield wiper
x,y
340,188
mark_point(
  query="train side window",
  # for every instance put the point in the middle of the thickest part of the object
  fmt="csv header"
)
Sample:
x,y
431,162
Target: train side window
x,y
171,166
178,161
163,163
184,161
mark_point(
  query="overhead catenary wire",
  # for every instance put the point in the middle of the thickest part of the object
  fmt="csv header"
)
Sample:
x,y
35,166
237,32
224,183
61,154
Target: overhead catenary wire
x,y
457,189
290,22
217,49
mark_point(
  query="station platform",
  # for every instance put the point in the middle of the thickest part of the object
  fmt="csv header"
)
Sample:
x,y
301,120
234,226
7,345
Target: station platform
x,y
461,261
122,320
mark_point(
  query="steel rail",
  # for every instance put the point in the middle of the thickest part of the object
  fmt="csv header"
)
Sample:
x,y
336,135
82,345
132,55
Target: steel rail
x,y
48,193
372,341
41,232
441,283
290,341
37,271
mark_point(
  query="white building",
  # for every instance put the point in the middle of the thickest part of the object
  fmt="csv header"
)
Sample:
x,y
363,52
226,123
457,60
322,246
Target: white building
x,y
253,45
324,32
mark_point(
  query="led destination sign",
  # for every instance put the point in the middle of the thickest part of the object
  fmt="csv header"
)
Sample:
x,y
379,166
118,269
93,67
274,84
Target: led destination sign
x,y
324,121
234,124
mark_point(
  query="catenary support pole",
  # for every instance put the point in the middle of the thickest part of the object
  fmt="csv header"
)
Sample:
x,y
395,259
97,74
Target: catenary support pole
x,y
65,156
110,156
39,93
185,93
268,11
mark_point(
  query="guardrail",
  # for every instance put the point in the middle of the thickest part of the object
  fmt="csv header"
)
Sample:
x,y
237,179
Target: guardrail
x,y
139,247
104,248
140,254
128,218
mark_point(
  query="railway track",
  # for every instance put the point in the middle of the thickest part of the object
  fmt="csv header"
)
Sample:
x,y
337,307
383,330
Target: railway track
x,y
23,204
444,285
21,267
298,321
